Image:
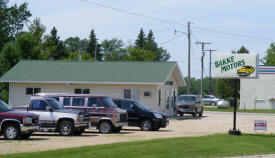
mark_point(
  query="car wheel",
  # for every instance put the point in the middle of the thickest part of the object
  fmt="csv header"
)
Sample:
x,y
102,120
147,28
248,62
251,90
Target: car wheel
x,y
146,125
10,131
79,132
116,129
213,103
25,136
66,128
105,127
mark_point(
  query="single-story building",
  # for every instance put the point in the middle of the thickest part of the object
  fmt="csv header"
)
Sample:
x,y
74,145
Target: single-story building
x,y
153,83
259,93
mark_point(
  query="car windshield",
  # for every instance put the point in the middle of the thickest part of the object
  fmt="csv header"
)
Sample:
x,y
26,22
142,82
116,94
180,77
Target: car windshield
x,y
187,98
108,102
4,107
141,106
55,104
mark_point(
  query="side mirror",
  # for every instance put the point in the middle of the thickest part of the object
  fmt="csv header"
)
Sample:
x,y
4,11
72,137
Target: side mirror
x,y
49,108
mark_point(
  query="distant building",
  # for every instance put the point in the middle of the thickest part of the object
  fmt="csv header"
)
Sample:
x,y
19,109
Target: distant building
x,y
153,83
259,93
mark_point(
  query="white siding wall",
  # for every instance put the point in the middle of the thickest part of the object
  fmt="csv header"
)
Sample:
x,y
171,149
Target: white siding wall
x,y
256,93
18,95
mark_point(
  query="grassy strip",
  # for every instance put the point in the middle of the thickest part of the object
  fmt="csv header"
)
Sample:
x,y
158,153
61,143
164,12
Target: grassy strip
x,y
238,110
218,145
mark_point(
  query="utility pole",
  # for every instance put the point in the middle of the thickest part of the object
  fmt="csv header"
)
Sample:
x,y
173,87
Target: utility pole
x,y
210,79
203,53
189,47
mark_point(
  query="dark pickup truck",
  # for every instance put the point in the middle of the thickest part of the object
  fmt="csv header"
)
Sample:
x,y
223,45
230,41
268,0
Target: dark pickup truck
x,y
14,124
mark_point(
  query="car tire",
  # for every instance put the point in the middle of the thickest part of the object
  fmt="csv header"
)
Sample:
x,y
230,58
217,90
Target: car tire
x,y
25,136
66,128
105,127
156,129
117,129
10,131
213,103
146,125
79,132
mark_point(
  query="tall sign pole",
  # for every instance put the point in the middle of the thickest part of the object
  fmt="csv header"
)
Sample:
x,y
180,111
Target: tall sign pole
x,y
237,67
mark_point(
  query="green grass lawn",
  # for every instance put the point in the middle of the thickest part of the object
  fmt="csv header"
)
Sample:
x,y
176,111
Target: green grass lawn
x,y
238,110
218,145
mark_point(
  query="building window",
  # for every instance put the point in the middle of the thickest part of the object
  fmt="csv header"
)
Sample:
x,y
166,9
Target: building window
x,y
127,94
147,93
82,91
30,91
159,97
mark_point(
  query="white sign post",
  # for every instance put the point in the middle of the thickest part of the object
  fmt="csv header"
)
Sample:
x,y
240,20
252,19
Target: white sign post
x,y
235,66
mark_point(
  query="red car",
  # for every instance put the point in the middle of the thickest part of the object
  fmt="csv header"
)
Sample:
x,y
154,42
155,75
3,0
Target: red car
x,y
14,124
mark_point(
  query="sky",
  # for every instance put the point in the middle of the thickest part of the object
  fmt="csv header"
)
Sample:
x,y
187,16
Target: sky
x,y
252,19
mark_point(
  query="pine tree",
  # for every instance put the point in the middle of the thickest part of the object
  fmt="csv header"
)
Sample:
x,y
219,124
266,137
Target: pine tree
x,y
141,40
93,46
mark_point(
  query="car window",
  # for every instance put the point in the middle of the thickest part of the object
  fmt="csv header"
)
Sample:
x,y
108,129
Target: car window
x,y
117,102
66,101
94,101
78,102
56,98
39,105
127,105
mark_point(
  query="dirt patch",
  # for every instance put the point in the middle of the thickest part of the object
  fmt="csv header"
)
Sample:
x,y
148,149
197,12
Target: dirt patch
x,y
210,123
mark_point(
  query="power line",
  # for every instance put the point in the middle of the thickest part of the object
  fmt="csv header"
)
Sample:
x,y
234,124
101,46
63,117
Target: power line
x,y
162,43
176,23
133,13
232,34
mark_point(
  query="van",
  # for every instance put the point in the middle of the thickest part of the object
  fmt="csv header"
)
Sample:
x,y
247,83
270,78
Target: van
x,y
103,112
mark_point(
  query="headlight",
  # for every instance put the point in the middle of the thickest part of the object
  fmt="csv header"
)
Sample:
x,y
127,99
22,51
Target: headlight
x,y
157,115
27,120
80,118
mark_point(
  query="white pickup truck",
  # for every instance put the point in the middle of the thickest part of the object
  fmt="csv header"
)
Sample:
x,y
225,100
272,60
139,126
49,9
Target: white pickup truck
x,y
53,117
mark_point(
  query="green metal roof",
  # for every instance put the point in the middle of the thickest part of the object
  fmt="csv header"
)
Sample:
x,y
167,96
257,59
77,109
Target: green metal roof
x,y
50,71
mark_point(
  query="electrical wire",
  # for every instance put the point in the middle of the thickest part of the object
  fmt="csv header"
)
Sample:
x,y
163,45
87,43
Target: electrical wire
x,y
162,43
176,23
133,13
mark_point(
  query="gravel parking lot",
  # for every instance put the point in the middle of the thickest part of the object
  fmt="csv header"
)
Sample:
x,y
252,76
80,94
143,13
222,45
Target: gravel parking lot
x,y
210,123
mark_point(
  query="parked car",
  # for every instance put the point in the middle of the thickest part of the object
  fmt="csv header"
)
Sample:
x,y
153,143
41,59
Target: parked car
x,y
141,116
223,104
210,100
53,116
14,124
103,112
190,104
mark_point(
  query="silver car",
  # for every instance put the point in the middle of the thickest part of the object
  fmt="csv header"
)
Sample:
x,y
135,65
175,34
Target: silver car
x,y
210,100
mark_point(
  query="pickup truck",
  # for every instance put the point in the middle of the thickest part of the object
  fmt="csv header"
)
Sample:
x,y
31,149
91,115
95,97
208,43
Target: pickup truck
x,y
53,117
14,124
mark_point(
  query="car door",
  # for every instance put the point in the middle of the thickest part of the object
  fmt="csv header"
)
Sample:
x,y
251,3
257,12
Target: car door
x,y
133,116
95,109
42,108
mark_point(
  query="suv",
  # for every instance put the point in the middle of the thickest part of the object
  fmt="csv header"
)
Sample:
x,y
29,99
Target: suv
x,y
190,104
53,117
16,124
103,112
141,116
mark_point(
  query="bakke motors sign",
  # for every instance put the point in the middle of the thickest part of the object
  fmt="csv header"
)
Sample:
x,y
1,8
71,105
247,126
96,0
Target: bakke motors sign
x,y
235,65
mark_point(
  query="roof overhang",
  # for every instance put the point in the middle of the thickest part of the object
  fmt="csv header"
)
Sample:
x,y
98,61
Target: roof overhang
x,y
178,76
85,82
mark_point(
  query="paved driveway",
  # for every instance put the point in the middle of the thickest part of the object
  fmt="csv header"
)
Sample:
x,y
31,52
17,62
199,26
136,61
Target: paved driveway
x,y
210,123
